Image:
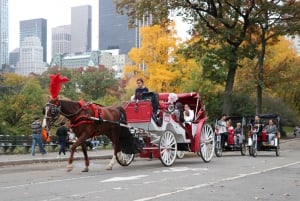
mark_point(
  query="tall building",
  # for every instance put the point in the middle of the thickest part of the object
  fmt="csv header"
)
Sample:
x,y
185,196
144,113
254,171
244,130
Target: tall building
x,y
81,29
14,57
31,57
3,32
113,29
61,40
35,27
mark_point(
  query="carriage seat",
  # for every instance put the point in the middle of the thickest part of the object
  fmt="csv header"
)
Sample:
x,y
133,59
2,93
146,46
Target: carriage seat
x,y
154,98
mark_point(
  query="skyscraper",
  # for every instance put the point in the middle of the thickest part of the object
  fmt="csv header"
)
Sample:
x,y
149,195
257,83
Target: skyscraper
x,y
61,40
31,57
3,32
113,29
35,27
81,28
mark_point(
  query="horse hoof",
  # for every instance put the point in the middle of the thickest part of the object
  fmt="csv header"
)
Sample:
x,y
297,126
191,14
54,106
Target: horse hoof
x,y
85,170
70,168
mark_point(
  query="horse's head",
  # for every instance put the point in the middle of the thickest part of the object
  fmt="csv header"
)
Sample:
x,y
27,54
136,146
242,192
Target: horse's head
x,y
51,113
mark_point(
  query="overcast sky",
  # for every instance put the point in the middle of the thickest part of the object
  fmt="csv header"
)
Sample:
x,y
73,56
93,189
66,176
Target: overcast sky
x,y
56,12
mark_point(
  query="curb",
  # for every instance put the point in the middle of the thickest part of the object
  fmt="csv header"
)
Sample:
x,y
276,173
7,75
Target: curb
x,y
46,160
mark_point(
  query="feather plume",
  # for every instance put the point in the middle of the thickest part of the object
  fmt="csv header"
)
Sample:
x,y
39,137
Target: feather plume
x,y
56,80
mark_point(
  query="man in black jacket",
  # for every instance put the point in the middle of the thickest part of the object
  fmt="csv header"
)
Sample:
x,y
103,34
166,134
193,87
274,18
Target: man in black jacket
x,y
62,134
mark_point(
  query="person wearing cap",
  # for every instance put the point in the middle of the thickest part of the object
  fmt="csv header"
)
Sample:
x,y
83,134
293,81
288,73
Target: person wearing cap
x,y
36,127
62,134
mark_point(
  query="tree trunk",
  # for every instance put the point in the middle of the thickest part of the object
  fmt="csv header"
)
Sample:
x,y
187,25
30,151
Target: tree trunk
x,y
227,104
260,80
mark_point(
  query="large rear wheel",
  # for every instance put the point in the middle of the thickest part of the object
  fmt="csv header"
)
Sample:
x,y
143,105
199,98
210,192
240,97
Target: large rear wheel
x,y
124,159
207,143
167,148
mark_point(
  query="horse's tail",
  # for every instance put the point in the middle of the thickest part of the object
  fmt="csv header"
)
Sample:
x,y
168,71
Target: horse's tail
x,y
123,116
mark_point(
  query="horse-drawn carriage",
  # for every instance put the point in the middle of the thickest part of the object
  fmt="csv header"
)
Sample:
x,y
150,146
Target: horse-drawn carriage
x,y
153,122
236,136
141,127
258,137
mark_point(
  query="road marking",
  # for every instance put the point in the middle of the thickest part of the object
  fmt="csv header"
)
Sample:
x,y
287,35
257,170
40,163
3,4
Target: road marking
x,y
215,182
181,169
125,178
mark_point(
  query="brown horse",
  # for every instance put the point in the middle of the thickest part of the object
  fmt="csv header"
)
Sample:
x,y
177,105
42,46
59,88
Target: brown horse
x,y
88,120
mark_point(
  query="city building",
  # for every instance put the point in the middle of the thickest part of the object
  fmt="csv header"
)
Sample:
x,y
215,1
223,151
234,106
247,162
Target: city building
x,y
35,27
61,40
113,29
14,57
81,29
76,60
31,57
3,32
110,59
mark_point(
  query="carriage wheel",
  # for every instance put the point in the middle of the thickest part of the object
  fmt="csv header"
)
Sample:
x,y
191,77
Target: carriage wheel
x,y
243,149
180,154
124,159
207,143
277,149
254,148
218,147
167,148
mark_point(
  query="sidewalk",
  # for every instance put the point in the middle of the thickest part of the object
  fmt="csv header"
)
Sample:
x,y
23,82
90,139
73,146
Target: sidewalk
x,y
19,159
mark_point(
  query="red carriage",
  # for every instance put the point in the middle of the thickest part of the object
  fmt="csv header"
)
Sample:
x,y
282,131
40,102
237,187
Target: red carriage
x,y
146,127
153,122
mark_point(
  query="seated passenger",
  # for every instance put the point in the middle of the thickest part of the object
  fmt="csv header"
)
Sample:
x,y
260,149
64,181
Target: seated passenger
x,y
188,114
179,112
271,129
238,134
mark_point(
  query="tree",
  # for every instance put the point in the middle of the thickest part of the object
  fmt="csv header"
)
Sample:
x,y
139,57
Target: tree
x,y
157,60
95,83
224,25
271,19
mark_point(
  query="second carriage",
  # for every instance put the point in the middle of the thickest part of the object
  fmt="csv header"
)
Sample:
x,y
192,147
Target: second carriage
x,y
152,121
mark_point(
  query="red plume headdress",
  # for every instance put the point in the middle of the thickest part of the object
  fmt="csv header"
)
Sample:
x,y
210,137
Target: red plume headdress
x,y
56,80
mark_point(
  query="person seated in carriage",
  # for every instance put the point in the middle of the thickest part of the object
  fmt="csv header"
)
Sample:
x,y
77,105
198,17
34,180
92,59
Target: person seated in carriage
x,y
179,112
271,130
188,114
238,133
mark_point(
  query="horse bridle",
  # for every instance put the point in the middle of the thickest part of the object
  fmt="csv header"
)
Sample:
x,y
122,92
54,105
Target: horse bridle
x,y
55,111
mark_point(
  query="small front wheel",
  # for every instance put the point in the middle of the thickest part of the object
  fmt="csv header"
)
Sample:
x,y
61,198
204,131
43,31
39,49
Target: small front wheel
x,y
167,148
124,159
243,149
218,147
254,148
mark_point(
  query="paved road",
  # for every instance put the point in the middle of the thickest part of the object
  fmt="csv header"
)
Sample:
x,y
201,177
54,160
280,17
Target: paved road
x,y
228,178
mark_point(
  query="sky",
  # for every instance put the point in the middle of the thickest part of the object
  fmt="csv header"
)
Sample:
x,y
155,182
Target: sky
x,y
56,12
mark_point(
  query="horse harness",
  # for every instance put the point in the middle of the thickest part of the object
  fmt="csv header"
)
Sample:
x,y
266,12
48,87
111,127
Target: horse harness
x,y
76,119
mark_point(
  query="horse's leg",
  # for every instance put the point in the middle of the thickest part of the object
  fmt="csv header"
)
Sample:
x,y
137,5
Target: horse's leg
x,y
73,149
112,162
86,158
